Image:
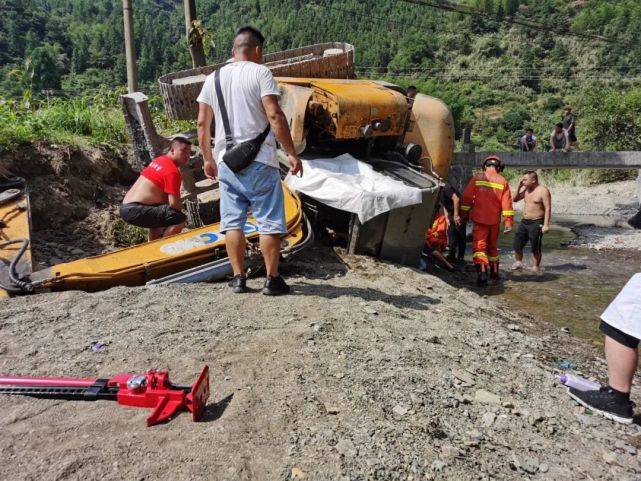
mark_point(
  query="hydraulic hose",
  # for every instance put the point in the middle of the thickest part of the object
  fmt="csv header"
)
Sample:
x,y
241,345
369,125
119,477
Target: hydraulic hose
x,y
13,274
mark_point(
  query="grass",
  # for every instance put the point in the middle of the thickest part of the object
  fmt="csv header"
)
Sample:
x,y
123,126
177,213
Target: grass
x,y
126,234
87,120
94,120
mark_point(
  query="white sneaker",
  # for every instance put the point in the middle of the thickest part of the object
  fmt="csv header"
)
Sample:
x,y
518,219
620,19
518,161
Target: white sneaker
x,y
517,266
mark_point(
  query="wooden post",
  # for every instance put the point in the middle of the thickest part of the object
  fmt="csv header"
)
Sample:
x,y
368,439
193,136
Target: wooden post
x,y
195,43
130,49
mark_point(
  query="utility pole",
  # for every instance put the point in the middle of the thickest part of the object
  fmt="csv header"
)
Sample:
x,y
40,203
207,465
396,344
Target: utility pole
x,y
130,49
194,38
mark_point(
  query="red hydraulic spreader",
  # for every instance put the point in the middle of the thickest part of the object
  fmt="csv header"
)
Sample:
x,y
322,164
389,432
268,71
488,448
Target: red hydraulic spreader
x,y
151,390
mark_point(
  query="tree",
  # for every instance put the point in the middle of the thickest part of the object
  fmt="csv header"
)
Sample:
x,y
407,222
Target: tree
x,y
47,68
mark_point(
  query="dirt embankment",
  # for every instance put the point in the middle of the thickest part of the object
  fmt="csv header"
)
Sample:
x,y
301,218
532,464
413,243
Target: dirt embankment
x,y
367,371
73,195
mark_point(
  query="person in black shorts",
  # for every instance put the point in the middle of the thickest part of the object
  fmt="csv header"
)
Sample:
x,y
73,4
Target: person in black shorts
x,y
621,324
536,218
154,202
530,230
569,125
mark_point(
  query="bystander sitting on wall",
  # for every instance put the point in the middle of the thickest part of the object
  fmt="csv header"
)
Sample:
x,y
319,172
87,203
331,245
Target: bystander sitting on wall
x,y
559,139
528,142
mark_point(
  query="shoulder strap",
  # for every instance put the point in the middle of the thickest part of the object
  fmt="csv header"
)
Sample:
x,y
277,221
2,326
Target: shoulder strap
x,y
229,140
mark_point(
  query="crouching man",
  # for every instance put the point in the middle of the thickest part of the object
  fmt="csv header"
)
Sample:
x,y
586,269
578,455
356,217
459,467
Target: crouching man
x,y
153,202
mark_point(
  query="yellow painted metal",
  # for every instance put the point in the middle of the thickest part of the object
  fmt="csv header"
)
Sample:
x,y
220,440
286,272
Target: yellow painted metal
x,y
293,101
138,264
352,104
432,127
16,217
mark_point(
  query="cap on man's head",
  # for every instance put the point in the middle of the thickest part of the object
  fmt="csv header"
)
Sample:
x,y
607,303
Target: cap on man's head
x,y
180,138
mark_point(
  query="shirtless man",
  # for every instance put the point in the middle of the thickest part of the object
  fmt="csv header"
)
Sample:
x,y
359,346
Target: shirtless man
x,y
154,200
536,218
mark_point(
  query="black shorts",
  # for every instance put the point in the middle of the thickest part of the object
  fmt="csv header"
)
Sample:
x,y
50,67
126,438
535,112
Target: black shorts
x,y
529,230
619,336
151,216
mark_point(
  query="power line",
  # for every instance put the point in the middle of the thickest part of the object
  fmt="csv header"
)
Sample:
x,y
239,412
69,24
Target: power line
x,y
510,19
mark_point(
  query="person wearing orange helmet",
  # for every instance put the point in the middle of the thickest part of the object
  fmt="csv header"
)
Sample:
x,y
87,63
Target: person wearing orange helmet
x,y
485,200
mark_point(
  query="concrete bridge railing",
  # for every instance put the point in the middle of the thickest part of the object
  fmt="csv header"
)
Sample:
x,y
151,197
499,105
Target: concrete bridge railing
x,y
468,160
556,160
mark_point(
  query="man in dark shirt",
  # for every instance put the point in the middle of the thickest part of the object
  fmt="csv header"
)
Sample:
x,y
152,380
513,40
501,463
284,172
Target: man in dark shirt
x,y
451,201
569,125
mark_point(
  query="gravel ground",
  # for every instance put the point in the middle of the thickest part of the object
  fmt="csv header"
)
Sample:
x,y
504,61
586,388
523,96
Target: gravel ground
x,y
367,371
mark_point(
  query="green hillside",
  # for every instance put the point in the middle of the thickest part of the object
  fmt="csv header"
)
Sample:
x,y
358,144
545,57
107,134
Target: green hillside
x,y
497,74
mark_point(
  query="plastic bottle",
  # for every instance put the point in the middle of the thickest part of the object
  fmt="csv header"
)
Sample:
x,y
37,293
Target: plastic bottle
x,y
579,383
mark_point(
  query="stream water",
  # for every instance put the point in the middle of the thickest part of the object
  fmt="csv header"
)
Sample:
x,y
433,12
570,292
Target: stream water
x,y
575,285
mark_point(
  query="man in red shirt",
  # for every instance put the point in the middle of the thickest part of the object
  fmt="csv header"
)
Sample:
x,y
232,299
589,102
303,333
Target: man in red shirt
x,y
154,200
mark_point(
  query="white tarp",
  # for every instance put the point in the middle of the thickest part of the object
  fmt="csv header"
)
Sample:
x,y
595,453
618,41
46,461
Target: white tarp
x,y
353,186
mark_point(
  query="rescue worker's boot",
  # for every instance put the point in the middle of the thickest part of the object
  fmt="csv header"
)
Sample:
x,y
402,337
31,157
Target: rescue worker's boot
x,y
481,279
494,271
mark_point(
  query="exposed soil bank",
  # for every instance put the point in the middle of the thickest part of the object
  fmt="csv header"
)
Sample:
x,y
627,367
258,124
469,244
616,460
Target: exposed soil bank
x,y
73,194
368,371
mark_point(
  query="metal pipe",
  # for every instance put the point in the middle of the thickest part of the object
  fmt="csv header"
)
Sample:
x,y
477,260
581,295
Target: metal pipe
x,y
46,381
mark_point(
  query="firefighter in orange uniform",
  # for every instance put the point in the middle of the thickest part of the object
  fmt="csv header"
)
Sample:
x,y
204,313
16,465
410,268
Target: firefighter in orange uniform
x,y
488,198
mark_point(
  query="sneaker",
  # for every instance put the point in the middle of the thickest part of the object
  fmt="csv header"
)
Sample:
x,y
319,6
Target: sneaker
x,y
238,284
606,403
275,286
518,265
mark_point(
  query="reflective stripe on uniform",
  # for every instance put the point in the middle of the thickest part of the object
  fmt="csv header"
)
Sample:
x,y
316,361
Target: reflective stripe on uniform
x,y
507,213
493,259
482,255
492,185
466,207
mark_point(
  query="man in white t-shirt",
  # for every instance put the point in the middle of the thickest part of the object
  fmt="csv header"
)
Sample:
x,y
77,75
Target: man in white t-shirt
x,y
250,95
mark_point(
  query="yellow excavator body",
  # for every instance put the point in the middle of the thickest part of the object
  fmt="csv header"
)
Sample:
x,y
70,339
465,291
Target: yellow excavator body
x,y
141,263
343,107
323,109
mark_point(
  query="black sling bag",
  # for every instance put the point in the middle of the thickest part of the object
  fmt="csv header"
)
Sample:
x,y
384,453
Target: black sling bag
x,y
237,156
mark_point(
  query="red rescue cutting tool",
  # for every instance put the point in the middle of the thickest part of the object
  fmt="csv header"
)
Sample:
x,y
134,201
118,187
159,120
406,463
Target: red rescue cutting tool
x,y
150,390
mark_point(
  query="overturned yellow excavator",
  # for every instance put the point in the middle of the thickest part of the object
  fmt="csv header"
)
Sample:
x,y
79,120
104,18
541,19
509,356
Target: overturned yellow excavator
x,y
329,112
